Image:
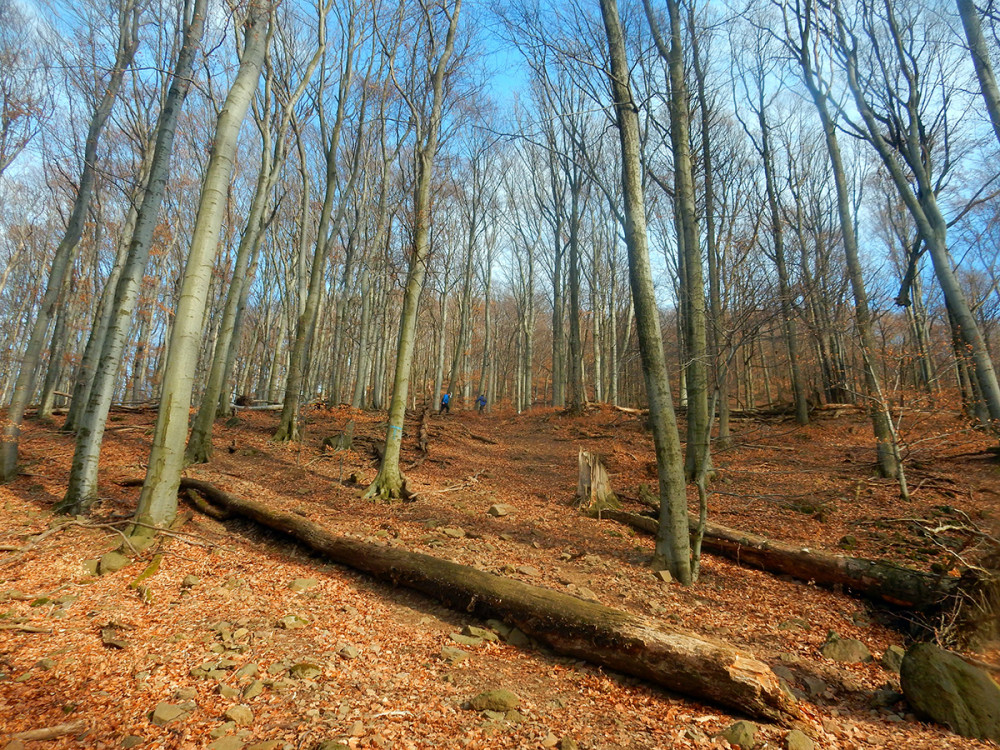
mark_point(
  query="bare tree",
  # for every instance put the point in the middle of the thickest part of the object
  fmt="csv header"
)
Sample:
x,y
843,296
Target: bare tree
x,y
127,41
425,99
672,543
158,501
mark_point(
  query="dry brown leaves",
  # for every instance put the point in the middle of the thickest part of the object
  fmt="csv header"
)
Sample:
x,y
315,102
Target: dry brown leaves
x,y
813,485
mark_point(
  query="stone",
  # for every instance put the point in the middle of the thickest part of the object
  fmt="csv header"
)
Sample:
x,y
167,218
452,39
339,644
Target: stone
x,y
814,685
132,740
300,585
473,632
164,713
453,533
892,658
332,745
306,670
190,581
784,673
664,576
798,740
885,697
112,562
794,623
228,691
222,730
252,690
248,670
357,729
498,511
466,640
292,622
499,626
92,567
227,743
241,714
266,745
495,700
568,744
45,664
186,693
550,740
517,638
845,650
528,570
943,687
454,655
741,734
348,652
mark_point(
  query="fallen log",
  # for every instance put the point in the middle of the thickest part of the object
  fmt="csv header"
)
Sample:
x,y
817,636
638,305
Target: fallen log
x,y
50,733
675,659
871,579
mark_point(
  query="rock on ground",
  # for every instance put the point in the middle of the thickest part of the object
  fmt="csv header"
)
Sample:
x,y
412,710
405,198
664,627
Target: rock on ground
x,y
946,689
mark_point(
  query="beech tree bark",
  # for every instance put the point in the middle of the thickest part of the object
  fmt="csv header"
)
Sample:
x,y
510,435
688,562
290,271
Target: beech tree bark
x,y
389,482
128,43
673,550
800,44
82,488
158,501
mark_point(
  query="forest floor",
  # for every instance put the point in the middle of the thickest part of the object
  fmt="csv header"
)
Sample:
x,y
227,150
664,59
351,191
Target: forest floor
x,y
372,667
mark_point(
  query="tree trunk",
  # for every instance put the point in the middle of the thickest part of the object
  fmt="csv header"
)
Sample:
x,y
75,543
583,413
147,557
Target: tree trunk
x,y
981,60
673,550
389,482
82,488
675,659
870,579
158,501
128,42
886,450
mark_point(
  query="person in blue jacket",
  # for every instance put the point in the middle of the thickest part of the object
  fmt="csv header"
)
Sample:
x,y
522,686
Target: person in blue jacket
x,y
481,403
446,403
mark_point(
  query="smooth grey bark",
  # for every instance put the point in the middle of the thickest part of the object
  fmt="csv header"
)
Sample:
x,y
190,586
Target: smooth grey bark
x,y
158,502
672,543
916,185
57,348
84,379
981,60
390,482
714,322
887,452
784,287
273,153
328,228
128,42
696,366
82,487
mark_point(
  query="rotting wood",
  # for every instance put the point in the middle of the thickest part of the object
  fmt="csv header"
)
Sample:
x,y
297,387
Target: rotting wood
x,y
422,434
675,659
871,579
25,628
51,733
593,488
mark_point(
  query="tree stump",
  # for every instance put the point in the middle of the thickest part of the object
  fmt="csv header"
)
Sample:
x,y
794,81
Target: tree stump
x,y
342,442
593,489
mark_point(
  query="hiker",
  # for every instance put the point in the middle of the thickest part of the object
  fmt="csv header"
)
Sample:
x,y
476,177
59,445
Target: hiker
x,y
481,403
446,403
